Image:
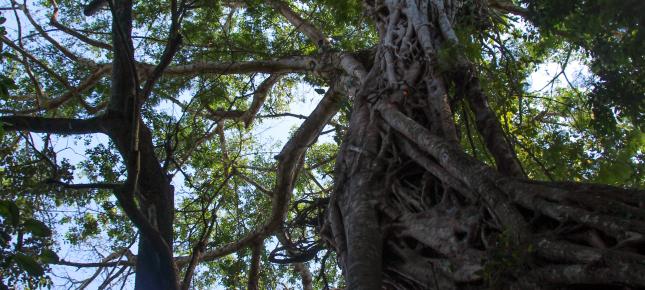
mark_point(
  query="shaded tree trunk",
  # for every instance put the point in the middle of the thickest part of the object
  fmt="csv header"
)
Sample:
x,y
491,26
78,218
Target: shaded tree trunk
x,y
147,196
412,210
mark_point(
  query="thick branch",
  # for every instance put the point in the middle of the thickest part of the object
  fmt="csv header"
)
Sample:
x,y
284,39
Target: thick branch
x,y
290,64
259,97
154,213
54,125
360,179
347,62
353,67
489,126
112,260
313,33
287,64
305,276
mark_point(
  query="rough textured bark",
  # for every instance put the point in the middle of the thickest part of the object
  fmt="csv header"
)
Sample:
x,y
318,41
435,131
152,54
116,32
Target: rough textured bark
x,y
412,210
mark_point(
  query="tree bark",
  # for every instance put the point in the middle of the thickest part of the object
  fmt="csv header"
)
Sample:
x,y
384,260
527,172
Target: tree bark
x,y
153,211
412,210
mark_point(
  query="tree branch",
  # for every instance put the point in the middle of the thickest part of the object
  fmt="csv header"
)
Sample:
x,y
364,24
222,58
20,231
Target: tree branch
x,y
105,262
290,161
54,22
72,92
254,272
111,186
171,48
154,213
259,97
62,126
509,7
198,250
95,265
282,65
247,116
305,274
37,61
55,43
25,62
347,62
470,171
313,33
252,182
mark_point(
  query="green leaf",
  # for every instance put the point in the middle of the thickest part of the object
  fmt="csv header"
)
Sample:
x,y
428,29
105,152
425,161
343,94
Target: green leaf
x,y
48,256
28,264
9,210
37,228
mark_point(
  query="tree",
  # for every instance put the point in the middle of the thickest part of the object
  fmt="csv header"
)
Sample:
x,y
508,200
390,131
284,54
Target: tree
x,y
445,170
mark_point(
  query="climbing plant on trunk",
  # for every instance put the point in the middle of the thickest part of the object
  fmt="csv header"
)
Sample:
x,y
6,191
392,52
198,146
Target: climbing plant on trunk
x,y
444,169
412,210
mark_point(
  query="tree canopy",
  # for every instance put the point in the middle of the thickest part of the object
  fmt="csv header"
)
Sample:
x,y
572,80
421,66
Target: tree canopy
x,y
135,143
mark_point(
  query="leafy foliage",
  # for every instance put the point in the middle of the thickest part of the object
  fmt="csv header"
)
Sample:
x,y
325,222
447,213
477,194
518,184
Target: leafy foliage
x,y
591,129
24,248
611,34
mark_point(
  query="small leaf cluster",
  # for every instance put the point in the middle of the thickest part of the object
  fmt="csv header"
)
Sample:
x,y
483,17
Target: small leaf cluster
x,y
24,247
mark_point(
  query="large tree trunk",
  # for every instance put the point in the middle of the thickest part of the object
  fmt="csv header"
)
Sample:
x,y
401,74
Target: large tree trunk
x,y
412,210
147,196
